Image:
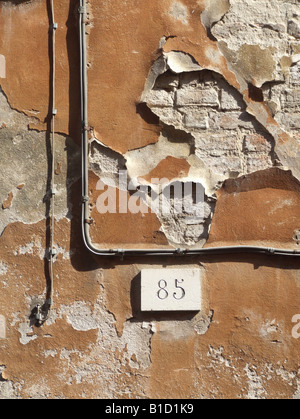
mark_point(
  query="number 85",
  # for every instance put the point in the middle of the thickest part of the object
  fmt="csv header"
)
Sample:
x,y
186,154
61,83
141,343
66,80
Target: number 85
x,y
163,293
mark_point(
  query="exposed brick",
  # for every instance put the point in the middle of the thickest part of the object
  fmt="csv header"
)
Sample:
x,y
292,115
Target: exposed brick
x,y
290,120
257,162
256,143
294,28
160,98
291,98
169,115
224,164
215,145
231,100
205,97
295,74
196,120
230,120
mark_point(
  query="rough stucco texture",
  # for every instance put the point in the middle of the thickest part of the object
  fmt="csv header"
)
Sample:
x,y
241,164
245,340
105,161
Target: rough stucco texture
x,y
202,92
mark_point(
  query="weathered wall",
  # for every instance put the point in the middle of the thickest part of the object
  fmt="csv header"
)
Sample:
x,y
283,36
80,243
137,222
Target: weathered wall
x,y
198,91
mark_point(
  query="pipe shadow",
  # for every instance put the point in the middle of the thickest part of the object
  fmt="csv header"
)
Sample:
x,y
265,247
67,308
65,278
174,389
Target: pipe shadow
x,y
81,259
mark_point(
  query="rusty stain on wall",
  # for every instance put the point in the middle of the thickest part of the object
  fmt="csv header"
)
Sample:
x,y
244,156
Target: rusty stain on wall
x,y
203,92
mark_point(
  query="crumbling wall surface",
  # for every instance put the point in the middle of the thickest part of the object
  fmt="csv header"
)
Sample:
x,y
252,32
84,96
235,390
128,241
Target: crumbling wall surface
x,y
203,93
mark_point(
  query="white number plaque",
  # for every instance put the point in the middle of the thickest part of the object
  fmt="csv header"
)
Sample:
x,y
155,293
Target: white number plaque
x,y
171,290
